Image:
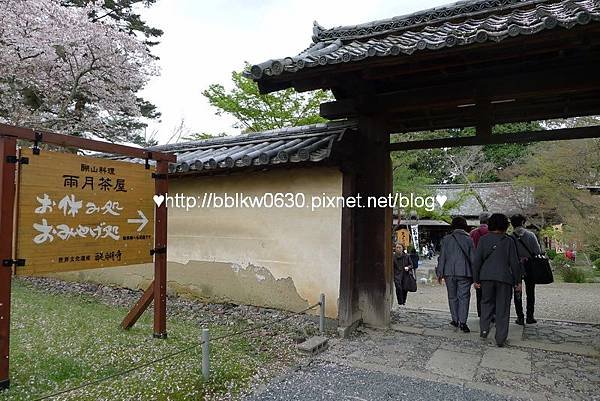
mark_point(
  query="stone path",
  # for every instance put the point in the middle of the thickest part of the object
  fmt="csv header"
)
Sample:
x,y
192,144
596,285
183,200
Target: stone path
x,y
423,358
579,338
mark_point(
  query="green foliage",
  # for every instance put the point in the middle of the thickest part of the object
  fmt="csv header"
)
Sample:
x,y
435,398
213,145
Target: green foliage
x,y
572,275
552,171
560,261
551,253
593,251
597,263
256,112
124,13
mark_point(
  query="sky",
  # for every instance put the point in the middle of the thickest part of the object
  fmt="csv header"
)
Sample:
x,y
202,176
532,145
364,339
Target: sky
x,y
205,40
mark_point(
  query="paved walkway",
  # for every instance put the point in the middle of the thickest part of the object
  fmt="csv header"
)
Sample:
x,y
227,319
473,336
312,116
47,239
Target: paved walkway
x,y
562,301
423,358
550,335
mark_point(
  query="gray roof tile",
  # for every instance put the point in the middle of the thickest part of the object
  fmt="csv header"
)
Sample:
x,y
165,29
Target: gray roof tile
x,y
459,24
311,143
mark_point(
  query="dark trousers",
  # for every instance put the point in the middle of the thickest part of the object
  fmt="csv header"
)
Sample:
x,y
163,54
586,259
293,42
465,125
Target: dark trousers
x,y
478,295
401,294
530,293
459,297
496,296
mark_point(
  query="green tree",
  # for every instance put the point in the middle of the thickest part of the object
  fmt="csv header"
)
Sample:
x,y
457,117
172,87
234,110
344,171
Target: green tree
x,y
557,171
122,13
413,170
255,112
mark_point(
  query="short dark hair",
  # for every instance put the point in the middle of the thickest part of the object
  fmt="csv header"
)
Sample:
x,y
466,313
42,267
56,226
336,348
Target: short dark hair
x,y
498,222
459,223
517,220
484,217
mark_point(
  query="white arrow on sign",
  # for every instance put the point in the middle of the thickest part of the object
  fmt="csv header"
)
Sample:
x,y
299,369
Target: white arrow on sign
x,y
142,222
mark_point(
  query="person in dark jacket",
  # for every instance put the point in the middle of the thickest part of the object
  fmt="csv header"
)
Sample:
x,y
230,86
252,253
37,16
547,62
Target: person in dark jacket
x,y
402,268
496,270
454,266
527,247
476,234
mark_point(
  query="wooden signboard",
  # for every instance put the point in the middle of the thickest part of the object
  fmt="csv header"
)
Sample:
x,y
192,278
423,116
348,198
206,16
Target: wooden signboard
x,y
77,212
403,237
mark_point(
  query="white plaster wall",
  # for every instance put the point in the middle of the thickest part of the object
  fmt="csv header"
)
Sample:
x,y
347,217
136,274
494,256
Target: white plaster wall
x,y
278,257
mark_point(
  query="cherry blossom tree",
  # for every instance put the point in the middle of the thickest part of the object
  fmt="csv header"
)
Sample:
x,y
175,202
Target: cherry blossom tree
x,y
63,71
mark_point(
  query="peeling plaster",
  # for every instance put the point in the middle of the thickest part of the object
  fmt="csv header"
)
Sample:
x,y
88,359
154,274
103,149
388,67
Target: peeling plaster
x,y
281,258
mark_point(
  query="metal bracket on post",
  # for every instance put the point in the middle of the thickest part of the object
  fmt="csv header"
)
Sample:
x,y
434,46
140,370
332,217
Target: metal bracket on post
x,y
36,143
15,159
158,251
13,262
157,176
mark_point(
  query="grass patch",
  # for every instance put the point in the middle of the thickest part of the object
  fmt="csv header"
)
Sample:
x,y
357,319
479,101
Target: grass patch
x,y
61,341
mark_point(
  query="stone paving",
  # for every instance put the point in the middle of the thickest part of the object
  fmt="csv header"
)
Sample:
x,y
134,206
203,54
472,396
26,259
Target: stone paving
x,y
421,357
527,372
581,338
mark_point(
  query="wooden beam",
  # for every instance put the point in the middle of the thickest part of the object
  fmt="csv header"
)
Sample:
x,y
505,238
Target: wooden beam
x,y
501,88
585,104
8,147
521,137
160,255
140,307
83,143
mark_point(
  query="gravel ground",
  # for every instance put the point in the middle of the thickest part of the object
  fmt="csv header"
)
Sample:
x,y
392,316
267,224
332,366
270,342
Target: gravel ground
x,y
182,308
327,381
561,301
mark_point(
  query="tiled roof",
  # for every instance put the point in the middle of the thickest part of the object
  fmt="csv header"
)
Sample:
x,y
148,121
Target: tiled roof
x,y
499,197
311,143
460,24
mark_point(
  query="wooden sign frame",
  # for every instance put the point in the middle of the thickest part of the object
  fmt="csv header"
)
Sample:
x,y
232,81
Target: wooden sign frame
x,y
157,292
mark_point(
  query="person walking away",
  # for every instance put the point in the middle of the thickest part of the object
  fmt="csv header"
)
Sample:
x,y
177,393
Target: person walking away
x,y
402,268
476,234
454,266
414,256
527,247
496,270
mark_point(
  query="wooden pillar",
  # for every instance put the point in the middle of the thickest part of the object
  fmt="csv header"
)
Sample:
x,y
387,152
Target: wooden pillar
x,y
373,225
160,256
348,306
8,147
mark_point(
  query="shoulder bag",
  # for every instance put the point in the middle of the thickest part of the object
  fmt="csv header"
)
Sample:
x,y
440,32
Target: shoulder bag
x,y
537,267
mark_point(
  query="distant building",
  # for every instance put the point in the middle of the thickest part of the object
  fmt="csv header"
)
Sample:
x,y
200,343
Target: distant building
x,y
498,197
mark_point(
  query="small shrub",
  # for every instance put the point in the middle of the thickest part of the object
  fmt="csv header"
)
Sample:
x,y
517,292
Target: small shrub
x,y
594,252
560,261
551,253
573,275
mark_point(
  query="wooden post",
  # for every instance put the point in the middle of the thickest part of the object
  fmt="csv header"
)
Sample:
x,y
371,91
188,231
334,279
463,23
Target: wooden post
x,y
8,148
160,255
347,305
373,225
140,307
